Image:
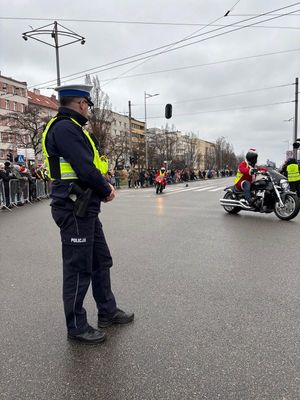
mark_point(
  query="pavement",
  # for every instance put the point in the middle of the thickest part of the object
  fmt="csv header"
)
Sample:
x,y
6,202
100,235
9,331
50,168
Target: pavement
x,y
216,299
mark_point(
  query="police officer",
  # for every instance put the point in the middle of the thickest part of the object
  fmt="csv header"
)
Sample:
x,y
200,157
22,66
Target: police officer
x,y
77,189
293,175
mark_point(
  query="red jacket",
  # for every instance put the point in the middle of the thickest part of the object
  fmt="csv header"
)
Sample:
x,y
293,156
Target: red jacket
x,y
243,174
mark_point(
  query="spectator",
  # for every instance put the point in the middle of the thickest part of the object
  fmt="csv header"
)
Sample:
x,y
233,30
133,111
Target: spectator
x,y
117,178
5,176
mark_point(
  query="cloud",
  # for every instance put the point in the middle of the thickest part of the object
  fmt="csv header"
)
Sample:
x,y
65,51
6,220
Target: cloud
x,y
262,127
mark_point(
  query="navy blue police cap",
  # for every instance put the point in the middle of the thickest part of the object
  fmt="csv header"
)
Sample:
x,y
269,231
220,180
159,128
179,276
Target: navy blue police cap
x,y
75,91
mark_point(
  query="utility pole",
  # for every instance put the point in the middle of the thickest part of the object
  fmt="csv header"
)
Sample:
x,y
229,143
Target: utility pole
x,y
296,116
130,129
146,96
54,34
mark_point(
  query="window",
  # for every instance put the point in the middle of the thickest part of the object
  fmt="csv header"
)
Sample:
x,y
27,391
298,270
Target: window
x,y
5,137
4,87
7,104
23,108
15,106
120,123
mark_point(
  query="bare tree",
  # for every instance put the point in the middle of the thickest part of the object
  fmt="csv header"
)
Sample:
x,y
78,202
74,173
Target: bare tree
x,y
26,128
225,156
100,119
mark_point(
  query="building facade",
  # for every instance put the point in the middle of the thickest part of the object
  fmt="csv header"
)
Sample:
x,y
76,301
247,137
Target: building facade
x,y
13,98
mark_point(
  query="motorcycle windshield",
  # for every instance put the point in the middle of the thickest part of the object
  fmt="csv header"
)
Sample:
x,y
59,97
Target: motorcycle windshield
x,y
276,176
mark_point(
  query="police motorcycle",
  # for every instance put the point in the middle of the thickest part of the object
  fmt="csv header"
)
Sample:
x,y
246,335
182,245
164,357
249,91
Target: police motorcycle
x,y
270,193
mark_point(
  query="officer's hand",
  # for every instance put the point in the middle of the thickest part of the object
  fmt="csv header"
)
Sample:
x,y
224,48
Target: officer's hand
x,y
112,194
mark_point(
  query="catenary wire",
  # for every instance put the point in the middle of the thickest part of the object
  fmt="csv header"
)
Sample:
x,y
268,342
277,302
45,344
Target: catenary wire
x,y
150,51
225,109
221,95
207,64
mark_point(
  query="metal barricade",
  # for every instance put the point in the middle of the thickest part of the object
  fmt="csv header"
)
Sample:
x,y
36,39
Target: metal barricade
x,y
14,192
3,202
24,188
40,189
18,192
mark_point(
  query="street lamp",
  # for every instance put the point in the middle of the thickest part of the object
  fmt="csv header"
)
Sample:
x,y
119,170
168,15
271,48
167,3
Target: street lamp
x,y
147,96
54,34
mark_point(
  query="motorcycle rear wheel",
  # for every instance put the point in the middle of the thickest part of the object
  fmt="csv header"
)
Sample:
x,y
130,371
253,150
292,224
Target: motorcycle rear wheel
x,y
290,209
157,189
230,209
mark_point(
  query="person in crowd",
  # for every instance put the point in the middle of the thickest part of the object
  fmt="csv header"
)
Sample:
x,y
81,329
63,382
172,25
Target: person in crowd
x,y
117,178
142,178
5,177
130,178
135,178
76,170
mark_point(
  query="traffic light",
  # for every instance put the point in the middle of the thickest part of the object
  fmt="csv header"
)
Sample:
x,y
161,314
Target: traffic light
x,y
168,111
9,157
132,160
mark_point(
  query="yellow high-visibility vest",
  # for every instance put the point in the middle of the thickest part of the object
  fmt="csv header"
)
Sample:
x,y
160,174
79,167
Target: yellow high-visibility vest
x,y
66,170
293,173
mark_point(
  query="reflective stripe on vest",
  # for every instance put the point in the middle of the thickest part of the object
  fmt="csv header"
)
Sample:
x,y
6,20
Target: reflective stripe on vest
x,y
293,173
66,170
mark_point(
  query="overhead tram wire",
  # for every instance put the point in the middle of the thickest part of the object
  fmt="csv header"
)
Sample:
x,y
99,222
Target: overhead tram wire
x,y
142,58
161,47
150,51
186,37
226,109
196,66
206,64
170,47
223,95
140,22
167,51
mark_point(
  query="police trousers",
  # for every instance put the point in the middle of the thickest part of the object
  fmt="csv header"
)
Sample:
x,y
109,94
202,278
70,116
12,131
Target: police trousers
x,y
86,258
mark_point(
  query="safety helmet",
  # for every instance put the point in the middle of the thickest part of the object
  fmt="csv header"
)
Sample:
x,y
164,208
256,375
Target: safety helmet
x,y
251,157
163,169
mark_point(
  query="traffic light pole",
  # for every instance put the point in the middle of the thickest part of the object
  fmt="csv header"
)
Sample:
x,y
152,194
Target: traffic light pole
x,y
296,116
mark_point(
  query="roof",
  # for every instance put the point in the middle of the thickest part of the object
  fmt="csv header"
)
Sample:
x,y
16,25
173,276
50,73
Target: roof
x,y
42,101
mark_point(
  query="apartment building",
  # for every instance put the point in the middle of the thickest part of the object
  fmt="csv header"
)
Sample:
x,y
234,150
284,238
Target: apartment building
x,y
13,98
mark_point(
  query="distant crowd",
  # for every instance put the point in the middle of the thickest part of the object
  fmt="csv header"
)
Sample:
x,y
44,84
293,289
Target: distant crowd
x,y
145,178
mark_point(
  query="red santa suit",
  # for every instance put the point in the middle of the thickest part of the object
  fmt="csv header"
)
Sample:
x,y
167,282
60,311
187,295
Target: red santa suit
x,y
243,174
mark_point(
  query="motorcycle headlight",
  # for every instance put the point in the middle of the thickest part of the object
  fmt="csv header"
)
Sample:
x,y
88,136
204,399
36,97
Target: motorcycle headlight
x,y
284,184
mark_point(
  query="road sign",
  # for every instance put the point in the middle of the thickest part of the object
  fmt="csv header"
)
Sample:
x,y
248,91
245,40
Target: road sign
x,y
289,154
21,158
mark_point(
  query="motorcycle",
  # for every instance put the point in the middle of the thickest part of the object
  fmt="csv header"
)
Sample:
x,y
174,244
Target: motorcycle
x,y
270,193
160,184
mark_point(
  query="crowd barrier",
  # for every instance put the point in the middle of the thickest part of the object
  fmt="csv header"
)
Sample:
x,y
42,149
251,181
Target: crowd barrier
x,y
17,192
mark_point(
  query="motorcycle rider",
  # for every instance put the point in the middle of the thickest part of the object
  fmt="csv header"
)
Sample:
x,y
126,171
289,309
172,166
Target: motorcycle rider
x,y
161,173
244,176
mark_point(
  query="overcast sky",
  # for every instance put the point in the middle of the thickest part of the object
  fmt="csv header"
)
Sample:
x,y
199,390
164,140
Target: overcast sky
x,y
190,90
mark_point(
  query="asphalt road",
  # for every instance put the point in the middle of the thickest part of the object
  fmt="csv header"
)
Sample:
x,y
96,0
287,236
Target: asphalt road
x,y
216,299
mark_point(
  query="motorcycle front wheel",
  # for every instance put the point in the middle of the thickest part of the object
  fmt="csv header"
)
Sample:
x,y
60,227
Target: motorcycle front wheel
x,y
290,208
230,209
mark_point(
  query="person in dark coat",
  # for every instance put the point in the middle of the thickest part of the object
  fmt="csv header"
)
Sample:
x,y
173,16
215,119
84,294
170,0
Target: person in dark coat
x,y
77,190
5,176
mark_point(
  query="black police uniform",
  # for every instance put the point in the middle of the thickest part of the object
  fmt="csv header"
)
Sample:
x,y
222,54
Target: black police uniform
x,y
86,256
